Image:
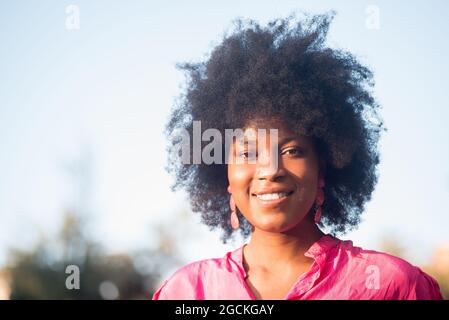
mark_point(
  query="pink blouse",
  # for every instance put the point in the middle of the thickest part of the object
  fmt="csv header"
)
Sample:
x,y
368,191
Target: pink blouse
x,y
339,271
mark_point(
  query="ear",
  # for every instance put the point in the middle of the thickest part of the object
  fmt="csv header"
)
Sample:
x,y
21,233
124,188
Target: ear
x,y
322,157
321,172
322,169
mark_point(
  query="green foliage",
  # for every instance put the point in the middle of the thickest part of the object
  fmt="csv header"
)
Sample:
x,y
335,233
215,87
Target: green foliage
x,y
40,273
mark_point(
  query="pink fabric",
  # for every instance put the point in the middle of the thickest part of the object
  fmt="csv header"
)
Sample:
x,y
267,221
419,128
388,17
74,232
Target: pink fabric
x,y
340,271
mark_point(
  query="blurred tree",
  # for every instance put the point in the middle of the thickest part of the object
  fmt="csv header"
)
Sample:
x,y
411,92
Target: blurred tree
x,y
392,245
40,273
438,267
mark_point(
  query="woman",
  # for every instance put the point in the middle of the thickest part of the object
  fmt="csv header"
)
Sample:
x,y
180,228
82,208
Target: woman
x,y
316,170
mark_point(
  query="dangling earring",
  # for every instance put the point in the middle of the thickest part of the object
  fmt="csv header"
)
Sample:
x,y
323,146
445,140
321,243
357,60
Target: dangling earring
x,y
317,217
234,219
319,200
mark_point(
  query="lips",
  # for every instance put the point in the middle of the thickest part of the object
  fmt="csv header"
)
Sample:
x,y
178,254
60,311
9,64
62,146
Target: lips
x,y
271,197
273,191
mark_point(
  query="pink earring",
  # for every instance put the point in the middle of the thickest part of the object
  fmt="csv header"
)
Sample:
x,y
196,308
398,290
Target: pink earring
x,y
319,200
234,219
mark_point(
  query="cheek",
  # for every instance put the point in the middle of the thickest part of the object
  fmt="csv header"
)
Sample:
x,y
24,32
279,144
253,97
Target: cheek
x,y
240,177
305,174
304,170
239,173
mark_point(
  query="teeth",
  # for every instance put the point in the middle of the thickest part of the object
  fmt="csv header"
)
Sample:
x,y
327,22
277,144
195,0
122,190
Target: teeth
x,y
271,196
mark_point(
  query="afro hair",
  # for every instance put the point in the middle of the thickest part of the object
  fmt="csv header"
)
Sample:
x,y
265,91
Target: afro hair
x,y
282,70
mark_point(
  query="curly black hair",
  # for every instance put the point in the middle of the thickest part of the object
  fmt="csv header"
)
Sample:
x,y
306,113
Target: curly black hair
x,y
282,70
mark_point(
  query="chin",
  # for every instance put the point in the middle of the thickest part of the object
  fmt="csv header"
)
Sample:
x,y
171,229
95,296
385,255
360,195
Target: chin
x,y
276,221
273,223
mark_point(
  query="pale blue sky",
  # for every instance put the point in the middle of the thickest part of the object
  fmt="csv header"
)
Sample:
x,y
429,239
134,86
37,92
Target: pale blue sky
x,y
109,87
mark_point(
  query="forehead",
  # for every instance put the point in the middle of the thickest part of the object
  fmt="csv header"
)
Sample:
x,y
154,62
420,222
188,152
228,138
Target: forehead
x,y
256,132
266,124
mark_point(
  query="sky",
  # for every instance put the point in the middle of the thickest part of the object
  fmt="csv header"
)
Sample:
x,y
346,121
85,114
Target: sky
x,y
97,91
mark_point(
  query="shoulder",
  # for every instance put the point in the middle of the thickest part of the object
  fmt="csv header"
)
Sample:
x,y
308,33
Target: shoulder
x,y
391,276
186,282
189,281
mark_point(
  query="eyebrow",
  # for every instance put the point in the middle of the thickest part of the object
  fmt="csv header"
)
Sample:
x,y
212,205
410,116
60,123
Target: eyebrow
x,y
287,140
282,142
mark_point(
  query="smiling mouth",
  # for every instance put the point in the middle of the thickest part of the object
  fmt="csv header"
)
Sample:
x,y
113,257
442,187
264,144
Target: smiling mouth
x,y
274,198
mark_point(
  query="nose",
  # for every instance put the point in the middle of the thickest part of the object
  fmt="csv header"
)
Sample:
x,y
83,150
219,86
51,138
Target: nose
x,y
268,167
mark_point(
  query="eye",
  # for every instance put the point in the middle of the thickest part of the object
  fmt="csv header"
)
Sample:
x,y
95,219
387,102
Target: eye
x,y
295,152
247,154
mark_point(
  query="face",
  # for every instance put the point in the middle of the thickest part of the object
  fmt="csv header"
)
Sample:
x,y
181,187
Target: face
x,y
273,197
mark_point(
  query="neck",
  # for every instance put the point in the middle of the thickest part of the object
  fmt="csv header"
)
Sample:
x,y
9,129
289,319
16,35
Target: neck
x,y
277,248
